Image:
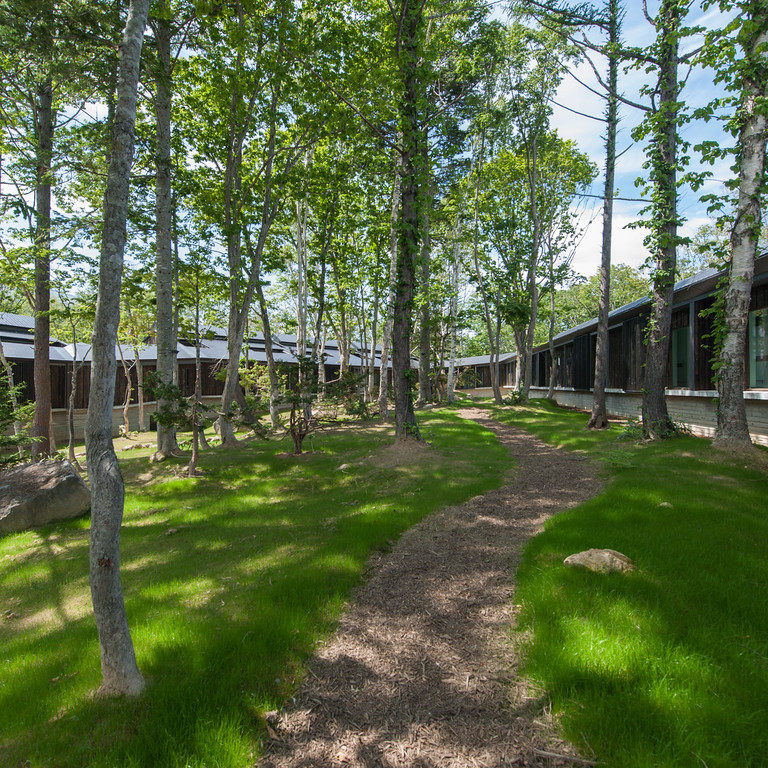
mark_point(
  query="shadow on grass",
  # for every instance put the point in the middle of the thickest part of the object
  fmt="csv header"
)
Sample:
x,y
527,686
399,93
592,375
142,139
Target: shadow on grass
x,y
230,580
667,666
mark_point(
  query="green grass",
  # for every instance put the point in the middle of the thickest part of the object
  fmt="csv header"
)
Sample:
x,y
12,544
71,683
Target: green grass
x,y
230,581
667,666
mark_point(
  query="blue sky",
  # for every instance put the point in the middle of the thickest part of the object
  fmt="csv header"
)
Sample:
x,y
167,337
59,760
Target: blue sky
x,y
628,243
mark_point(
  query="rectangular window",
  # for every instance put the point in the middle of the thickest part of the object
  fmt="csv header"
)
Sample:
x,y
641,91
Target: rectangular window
x,y
758,349
680,358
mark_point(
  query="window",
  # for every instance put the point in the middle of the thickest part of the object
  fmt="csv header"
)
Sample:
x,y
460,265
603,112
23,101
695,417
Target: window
x,y
680,358
758,348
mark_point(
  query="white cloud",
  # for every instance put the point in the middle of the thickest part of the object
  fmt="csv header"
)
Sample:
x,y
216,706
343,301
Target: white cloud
x,y
626,244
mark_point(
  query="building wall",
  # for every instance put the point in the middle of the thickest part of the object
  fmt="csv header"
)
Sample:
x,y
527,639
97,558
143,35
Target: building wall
x,y
61,430
697,411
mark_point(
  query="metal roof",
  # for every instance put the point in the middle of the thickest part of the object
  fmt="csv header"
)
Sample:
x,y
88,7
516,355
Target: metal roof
x,y
17,321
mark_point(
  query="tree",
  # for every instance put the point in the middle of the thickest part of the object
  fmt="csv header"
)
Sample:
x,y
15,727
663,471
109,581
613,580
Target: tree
x,y
120,673
746,80
664,163
42,80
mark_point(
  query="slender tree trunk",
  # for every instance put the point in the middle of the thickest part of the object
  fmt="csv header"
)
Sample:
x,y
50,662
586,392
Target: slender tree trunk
x,y
14,400
239,306
192,466
274,381
44,125
551,340
71,415
72,394
166,347
732,427
410,219
140,390
371,389
599,416
386,336
454,308
128,392
425,385
120,674
532,175
663,157
478,273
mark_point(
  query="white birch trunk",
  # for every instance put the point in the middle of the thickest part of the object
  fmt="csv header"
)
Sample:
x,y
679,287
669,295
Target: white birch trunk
x,y
120,673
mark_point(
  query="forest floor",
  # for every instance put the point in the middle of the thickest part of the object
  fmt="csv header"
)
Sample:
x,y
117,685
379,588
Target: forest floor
x,y
422,671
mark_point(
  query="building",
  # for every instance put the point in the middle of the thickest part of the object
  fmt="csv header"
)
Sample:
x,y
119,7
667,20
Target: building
x,y
691,392
16,336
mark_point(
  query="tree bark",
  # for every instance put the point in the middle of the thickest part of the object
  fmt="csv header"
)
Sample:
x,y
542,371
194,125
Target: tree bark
x,y
14,400
274,381
599,416
386,336
410,219
166,346
425,384
120,673
128,392
44,127
480,282
551,339
732,428
656,420
449,395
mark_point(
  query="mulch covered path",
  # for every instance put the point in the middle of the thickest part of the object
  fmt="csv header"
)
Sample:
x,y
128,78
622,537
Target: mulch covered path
x,y
421,671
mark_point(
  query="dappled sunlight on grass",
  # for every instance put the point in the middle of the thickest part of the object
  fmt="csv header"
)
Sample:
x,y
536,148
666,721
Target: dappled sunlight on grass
x,y
667,666
230,580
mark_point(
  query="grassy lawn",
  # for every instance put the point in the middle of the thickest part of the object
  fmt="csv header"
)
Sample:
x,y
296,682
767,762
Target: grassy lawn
x,y
230,580
667,666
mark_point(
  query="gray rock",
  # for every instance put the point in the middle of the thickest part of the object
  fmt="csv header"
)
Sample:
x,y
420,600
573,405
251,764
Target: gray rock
x,y
39,493
601,561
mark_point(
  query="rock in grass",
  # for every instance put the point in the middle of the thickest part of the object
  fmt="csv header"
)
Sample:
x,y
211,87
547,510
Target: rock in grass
x,y
601,561
39,493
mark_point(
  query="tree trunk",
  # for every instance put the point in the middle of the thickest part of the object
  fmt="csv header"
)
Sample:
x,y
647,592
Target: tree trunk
x,y
71,410
552,358
454,309
599,416
120,674
192,466
140,390
14,401
410,219
663,157
480,282
371,388
732,427
274,381
386,336
425,385
166,347
44,120
128,391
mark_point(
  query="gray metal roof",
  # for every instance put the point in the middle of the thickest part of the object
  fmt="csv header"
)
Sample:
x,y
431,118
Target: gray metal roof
x,y
24,322
484,359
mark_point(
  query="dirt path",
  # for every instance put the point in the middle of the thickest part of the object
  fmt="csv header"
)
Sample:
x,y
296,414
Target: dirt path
x,y
421,671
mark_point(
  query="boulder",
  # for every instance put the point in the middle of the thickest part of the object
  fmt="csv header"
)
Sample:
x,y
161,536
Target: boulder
x,y
601,561
39,493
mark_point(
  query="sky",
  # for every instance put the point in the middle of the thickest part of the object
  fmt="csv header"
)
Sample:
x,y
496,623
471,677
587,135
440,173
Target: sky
x,y
589,135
